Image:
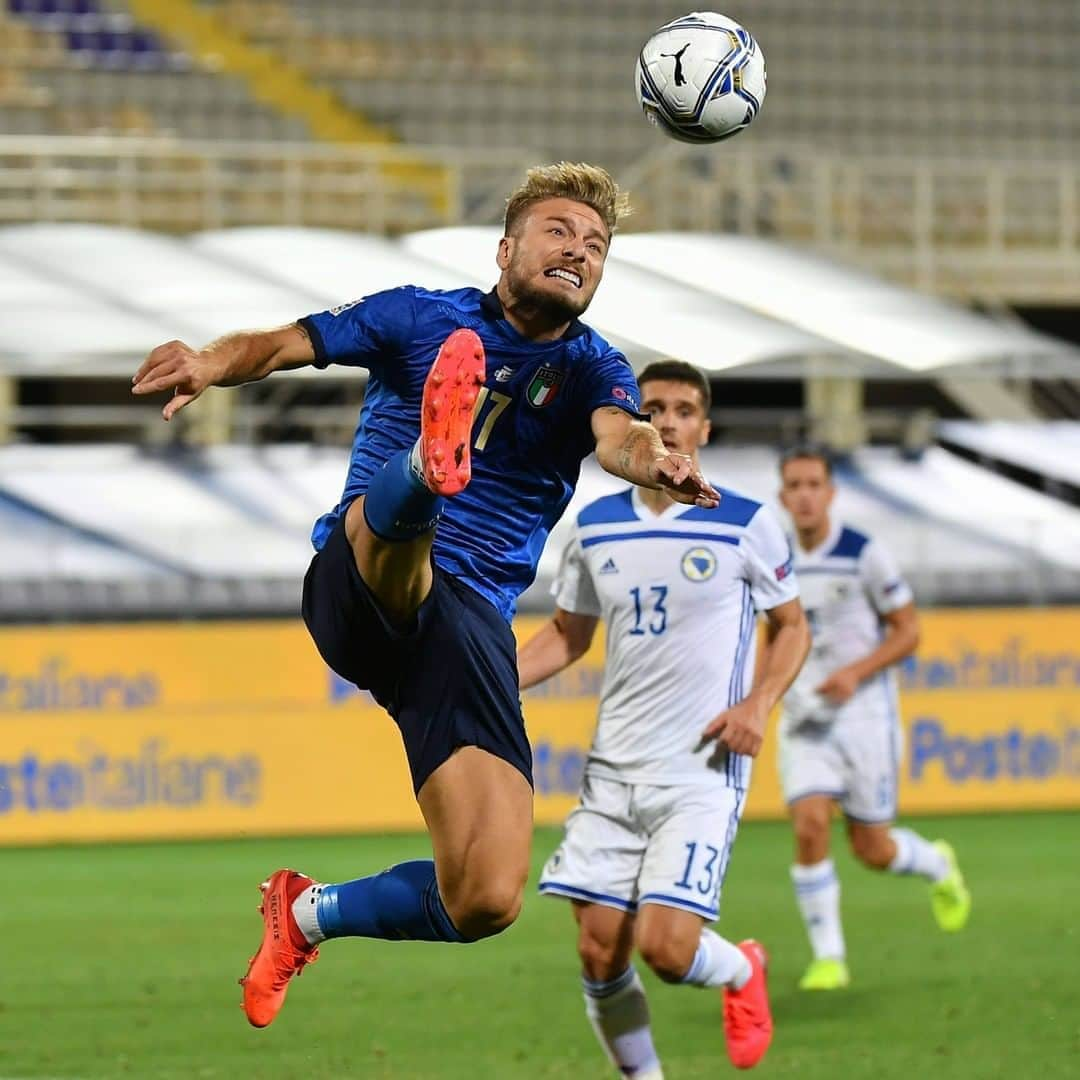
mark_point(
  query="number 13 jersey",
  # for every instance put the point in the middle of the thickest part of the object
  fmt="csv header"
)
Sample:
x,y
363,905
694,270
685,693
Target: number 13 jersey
x,y
678,593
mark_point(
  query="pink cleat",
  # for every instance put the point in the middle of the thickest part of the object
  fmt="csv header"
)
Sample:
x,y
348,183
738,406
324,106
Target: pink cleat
x,y
748,1024
446,418
283,953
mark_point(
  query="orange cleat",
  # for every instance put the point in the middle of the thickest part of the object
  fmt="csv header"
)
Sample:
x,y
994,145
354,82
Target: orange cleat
x,y
283,953
748,1024
446,418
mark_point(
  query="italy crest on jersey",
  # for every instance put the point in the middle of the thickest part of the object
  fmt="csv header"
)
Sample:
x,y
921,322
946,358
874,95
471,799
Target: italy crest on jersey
x,y
544,386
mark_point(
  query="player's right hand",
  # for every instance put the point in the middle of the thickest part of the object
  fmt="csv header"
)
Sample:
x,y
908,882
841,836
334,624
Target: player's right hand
x,y
741,728
174,366
683,481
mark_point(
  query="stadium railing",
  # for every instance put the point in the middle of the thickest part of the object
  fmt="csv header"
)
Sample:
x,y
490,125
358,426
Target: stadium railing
x,y
1005,231
181,185
995,231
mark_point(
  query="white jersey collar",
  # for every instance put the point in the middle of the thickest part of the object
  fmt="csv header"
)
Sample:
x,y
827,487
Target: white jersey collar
x,y
826,545
645,514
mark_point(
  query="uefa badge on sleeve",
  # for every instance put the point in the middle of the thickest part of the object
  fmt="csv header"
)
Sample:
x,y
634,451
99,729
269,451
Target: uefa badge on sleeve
x,y
544,387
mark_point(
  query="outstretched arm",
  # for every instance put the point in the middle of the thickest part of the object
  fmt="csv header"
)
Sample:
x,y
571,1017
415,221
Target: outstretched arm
x,y
229,361
633,450
555,646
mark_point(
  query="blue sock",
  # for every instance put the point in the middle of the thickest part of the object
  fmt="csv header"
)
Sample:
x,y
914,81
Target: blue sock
x,y
401,903
398,505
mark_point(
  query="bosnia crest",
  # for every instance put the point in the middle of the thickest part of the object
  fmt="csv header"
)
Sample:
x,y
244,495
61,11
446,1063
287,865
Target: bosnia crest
x,y
544,386
698,564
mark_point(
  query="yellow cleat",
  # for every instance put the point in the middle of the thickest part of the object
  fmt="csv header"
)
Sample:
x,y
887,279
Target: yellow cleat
x,y
949,898
825,974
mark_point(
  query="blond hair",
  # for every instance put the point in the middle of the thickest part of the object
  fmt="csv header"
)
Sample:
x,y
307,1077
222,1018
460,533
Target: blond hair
x,y
588,184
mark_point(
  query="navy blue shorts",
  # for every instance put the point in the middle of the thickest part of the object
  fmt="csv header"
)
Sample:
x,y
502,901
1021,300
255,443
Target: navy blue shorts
x,y
449,680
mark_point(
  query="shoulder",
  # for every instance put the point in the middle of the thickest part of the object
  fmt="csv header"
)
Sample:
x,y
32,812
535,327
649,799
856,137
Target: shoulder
x,y
850,544
608,509
464,299
374,303
589,345
733,509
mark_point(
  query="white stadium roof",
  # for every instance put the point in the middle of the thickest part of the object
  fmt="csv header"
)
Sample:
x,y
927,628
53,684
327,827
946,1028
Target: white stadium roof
x,y
143,520
848,307
92,299
1049,448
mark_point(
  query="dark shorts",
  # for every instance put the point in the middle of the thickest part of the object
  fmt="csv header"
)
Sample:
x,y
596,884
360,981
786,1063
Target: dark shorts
x,y
450,680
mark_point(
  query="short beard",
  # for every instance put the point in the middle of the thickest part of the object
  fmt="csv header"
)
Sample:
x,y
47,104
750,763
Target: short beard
x,y
546,305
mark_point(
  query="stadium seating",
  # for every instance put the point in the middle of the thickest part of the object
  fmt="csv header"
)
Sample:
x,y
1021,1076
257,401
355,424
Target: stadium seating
x,y
86,67
949,78
846,75
921,139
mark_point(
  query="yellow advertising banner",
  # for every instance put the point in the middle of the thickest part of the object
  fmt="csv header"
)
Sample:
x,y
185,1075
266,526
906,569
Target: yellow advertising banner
x,y
227,729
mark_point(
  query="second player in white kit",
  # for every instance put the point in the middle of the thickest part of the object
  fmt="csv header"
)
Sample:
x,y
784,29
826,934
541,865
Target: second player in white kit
x,y
646,850
848,750
840,734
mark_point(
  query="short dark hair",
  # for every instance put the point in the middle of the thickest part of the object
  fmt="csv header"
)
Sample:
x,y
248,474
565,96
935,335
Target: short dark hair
x,y
811,451
679,371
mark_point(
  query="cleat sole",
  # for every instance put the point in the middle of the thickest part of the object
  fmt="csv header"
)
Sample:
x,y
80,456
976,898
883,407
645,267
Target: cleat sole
x,y
450,395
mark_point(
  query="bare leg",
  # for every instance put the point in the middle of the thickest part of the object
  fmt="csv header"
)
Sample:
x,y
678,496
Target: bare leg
x,y
810,818
668,939
872,844
817,888
478,810
397,572
605,940
615,1001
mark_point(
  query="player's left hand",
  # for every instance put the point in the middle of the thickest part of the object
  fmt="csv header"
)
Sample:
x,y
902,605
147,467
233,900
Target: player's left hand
x,y
741,728
683,480
839,686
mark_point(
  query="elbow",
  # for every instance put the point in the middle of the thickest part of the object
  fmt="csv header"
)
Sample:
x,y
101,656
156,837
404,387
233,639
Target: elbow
x,y
806,637
605,457
577,648
910,634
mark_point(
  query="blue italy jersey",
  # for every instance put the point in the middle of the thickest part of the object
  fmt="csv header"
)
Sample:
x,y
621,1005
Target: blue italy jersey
x,y
532,425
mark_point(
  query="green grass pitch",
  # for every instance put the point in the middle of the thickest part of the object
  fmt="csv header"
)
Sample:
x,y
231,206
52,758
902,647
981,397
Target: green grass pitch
x,y
122,961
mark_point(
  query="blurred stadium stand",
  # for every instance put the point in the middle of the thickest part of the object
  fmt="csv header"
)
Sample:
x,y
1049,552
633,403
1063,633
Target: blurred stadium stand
x,y
117,531
951,78
935,141
1044,456
287,155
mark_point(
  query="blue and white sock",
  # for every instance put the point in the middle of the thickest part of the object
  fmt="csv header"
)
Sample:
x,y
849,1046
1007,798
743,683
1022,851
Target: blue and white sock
x,y
398,504
817,890
619,1014
914,855
400,904
718,963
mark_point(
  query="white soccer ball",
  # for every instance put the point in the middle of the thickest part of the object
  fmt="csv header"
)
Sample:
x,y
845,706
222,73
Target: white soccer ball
x,y
701,78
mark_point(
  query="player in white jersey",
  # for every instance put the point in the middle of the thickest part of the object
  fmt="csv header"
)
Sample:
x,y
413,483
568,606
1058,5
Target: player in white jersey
x,y
646,850
840,735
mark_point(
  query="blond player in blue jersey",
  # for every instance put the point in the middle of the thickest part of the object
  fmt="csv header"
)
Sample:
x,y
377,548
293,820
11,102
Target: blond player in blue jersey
x,y
478,411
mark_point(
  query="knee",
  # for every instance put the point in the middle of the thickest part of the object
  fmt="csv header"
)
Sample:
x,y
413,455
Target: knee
x,y
601,960
873,848
812,835
485,908
669,956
